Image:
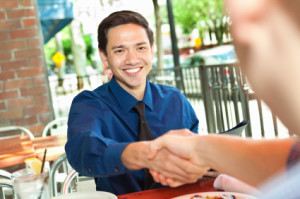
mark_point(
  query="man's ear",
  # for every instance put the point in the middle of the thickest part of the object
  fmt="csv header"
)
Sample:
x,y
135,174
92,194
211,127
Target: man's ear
x,y
103,57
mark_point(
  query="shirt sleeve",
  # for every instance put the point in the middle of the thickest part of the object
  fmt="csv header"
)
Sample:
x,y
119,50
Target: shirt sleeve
x,y
294,155
88,151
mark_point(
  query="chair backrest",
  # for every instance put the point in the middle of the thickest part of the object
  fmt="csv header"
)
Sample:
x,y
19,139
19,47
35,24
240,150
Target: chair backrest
x,y
6,187
15,128
4,174
77,183
55,127
58,172
68,180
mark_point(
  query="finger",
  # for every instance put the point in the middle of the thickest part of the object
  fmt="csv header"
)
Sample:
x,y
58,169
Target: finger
x,y
181,132
155,146
176,184
162,179
154,175
177,168
170,142
183,170
153,152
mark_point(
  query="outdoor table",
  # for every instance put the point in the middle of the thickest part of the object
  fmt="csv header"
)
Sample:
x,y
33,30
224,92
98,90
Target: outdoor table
x,y
55,146
13,151
168,192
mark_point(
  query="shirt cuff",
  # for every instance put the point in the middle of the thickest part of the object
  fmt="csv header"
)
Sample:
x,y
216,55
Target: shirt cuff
x,y
294,155
112,159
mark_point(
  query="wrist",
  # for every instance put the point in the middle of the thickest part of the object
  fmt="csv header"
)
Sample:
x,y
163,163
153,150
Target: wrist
x,y
204,146
134,155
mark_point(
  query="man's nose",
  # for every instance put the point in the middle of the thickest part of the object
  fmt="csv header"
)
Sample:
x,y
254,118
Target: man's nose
x,y
131,58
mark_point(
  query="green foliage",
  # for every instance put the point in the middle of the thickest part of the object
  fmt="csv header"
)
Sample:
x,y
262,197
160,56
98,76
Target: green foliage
x,y
50,47
89,50
204,15
49,50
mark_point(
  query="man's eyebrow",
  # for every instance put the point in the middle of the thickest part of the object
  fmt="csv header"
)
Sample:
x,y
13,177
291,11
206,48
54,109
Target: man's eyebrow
x,y
122,46
115,47
141,43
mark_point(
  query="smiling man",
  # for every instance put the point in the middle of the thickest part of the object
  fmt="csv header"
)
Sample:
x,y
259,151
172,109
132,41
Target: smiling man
x,y
103,127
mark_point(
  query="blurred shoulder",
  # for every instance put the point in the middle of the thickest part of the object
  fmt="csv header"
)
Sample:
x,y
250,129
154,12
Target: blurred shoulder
x,y
98,93
167,91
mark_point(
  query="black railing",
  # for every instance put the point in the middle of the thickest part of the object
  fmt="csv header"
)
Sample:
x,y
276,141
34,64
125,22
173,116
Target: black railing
x,y
222,89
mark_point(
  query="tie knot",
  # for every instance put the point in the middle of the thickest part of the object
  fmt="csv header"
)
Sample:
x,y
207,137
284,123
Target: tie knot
x,y
139,108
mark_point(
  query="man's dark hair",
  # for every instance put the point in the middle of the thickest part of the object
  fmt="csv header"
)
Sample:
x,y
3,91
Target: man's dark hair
x,y
121,18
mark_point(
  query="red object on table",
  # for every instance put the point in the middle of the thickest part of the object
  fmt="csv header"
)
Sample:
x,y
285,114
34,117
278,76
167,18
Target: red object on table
x,y
14,151
167,192
55,146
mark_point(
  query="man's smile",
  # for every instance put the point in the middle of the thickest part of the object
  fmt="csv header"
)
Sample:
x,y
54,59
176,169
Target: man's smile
x,y
133,70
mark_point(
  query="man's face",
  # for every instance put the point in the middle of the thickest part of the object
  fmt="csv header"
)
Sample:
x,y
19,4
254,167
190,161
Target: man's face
x,y
129,55
267,42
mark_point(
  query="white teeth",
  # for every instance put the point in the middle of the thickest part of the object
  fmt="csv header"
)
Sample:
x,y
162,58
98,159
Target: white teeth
x,y
132,70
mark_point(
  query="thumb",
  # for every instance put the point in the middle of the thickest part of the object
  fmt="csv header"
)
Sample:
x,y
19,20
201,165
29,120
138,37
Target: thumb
x,y
154,146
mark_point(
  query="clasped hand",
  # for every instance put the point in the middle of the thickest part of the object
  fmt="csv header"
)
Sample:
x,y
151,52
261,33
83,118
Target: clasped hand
x,y
172,160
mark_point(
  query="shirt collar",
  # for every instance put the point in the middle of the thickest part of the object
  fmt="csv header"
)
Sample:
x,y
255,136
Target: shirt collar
x,y
125,100
148,100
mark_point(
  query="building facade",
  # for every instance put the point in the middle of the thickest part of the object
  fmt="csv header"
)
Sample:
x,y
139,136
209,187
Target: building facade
x,y
24,90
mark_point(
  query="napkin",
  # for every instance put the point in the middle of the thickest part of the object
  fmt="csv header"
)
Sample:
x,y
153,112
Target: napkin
x,y
230,184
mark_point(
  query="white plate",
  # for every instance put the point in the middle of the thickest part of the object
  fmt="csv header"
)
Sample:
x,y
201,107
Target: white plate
x,y
89,195
204,194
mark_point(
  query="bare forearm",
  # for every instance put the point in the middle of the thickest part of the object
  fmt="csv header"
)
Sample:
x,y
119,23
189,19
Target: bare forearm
x,y
252,161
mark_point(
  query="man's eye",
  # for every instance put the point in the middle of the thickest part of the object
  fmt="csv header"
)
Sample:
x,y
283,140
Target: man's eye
x,y
142,48
118,51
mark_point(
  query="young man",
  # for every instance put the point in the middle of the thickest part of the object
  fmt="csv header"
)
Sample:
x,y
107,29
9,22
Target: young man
x,y
103,124
267,39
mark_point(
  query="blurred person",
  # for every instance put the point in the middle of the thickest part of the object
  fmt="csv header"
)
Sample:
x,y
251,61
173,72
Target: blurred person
x,y
103,124
267,40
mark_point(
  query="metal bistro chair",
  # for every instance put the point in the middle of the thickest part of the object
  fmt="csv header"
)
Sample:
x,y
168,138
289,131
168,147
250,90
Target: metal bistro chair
x,y
76,183
56,127
58,172
15,128
6,188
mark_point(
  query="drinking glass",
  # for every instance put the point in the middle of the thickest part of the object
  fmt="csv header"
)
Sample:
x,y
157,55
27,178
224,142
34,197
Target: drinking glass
x,y
28,185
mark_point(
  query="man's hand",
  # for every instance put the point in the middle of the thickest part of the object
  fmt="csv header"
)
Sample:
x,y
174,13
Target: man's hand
x,y
171,169
180,144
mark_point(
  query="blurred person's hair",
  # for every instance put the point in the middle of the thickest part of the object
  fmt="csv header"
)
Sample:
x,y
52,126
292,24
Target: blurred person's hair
x,y
121,18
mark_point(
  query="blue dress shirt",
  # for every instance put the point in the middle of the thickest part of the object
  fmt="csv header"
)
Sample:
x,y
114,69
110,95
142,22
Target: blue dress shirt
x,y
102,123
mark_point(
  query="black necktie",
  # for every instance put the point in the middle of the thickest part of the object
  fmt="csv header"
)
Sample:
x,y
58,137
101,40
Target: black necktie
x,y
144,134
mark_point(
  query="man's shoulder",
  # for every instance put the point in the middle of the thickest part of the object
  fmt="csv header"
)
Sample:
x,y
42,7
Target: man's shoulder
x,y
163,88
167,92
98,93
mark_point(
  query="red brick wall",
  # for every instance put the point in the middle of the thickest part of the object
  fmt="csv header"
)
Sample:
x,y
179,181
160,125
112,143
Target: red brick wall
x,y
24,91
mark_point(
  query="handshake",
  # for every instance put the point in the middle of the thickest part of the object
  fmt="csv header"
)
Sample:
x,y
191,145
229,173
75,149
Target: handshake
x,y
173,159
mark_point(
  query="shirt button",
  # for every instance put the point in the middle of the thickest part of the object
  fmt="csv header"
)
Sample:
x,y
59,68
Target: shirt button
x,y
116,169
90,170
